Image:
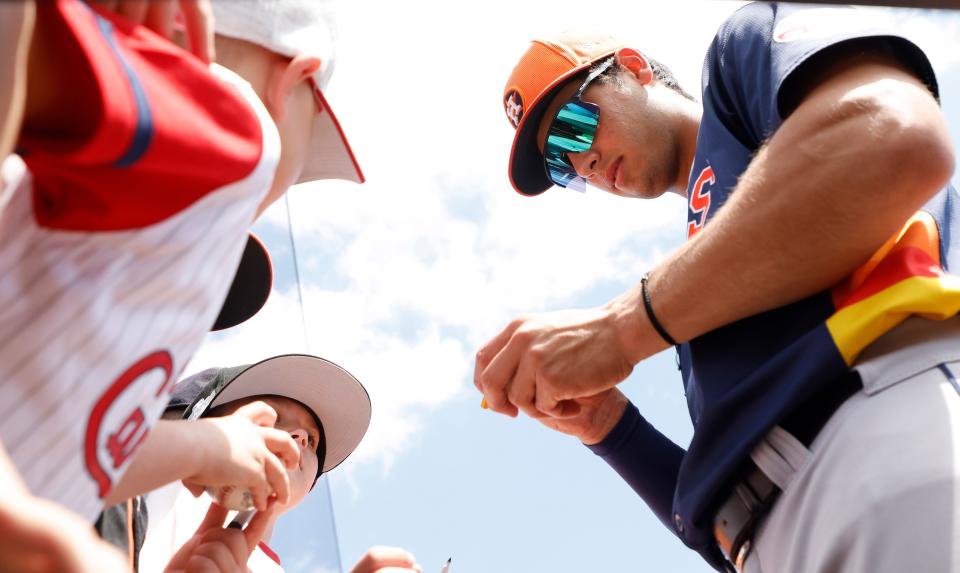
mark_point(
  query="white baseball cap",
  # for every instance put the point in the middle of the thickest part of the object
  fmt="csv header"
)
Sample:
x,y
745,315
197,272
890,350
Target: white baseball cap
x,y
291,28
337,399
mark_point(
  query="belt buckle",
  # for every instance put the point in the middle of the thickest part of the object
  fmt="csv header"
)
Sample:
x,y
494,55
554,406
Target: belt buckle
x,y
738,515
742,555
736,566
732,528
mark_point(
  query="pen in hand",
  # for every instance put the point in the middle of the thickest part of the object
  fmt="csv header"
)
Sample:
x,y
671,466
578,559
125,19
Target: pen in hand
x,y
242,519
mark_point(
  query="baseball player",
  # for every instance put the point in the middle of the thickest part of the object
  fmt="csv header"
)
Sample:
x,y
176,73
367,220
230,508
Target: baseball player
x,y
326,411
124,215
812,305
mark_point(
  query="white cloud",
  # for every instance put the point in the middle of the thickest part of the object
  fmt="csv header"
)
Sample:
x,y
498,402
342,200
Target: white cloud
x,y
522,256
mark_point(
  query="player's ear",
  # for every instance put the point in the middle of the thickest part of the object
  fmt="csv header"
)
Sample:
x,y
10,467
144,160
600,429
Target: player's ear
x,y
636,63
284,78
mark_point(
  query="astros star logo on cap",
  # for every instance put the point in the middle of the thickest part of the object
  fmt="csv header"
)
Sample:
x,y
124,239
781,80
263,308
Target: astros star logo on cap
x,y
513,105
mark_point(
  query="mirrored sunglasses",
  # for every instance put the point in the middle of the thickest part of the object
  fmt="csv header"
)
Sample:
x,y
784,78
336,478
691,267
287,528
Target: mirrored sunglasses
x,y
572,131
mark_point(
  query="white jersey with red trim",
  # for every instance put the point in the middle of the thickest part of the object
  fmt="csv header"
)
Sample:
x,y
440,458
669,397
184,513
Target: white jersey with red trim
x,y
117,251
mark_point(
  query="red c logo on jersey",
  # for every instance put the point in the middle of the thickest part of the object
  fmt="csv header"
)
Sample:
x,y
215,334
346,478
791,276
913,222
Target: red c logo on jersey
x,y
120,407
699,203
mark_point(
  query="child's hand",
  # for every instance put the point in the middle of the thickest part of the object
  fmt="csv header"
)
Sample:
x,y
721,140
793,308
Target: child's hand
x,y
245,451
218,549
161,17
386,560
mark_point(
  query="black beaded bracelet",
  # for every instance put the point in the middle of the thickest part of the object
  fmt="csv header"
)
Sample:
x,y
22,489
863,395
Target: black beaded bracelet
x,y
653,318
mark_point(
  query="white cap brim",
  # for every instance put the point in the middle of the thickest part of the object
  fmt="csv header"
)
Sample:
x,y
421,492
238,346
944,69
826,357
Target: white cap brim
x,y
335,396
329,155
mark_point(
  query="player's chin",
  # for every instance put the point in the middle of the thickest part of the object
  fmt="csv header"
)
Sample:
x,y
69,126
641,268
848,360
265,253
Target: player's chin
x,y
632,187
632,191
650,187
613,190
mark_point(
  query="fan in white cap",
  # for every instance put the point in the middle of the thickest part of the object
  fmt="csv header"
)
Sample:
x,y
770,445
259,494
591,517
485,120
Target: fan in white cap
x,y
337,400
292,28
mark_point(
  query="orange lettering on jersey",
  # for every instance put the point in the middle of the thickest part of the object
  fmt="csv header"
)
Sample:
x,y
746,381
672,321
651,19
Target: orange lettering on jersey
x,y
118,424
699,202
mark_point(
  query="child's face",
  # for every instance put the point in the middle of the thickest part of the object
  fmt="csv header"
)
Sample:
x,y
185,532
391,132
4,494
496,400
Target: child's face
x,y
296,420
295,127
292,104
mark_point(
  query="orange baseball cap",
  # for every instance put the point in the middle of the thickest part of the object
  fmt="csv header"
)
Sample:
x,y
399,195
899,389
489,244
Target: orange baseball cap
x,y
541,72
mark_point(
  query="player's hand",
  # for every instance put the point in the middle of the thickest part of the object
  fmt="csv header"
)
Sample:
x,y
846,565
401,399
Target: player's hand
x,y
218,549
597,416
386,560
161,16
244,450
40,536
540,364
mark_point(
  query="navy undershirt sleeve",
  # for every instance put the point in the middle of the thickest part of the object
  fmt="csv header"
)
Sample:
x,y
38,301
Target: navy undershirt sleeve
x,y
645,459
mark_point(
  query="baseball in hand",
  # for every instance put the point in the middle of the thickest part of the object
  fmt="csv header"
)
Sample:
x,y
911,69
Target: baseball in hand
x,y
231,497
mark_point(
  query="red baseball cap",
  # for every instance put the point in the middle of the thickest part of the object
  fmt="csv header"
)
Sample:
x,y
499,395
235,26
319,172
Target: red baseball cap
x,y
542,71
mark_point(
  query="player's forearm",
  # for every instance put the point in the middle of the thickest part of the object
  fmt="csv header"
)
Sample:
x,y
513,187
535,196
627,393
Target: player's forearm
x,y
841,176
16,30
167,455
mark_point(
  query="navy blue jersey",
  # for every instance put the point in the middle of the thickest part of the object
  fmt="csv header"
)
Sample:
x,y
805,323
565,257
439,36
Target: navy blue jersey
x,y
743,378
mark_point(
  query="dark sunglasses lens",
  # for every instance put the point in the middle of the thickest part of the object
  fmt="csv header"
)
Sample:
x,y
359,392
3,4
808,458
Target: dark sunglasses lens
x,y
572,131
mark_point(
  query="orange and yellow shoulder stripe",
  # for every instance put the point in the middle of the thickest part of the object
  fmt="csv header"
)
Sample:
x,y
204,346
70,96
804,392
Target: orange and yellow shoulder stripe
x,y
903,278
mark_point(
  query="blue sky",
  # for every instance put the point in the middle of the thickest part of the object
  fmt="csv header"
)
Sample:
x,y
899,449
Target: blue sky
x,y
405,276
